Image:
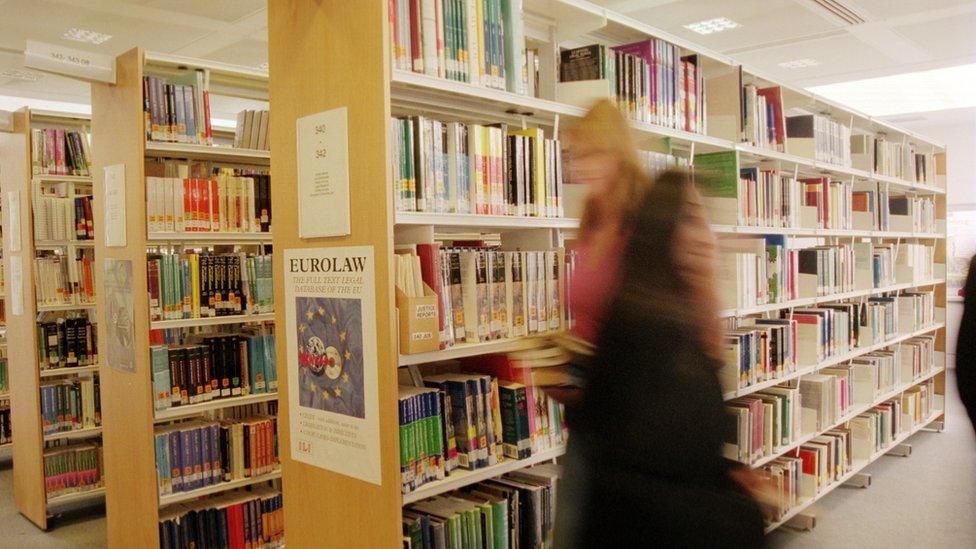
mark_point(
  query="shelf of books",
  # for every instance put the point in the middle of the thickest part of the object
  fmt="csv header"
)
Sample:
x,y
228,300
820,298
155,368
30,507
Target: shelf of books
x,y
831,224
53,377
189,377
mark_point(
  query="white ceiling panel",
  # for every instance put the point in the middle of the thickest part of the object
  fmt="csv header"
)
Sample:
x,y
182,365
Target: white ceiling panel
x,y
227,11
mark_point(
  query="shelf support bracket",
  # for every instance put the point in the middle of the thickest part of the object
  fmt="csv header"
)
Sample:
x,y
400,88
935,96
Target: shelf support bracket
x,y
902,450
860,480
802,521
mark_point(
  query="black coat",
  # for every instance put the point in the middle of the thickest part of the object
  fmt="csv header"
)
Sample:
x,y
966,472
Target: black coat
x,y
966,346
644,464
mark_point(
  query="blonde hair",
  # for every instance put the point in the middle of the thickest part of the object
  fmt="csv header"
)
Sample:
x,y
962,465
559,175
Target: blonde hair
x,y
605,130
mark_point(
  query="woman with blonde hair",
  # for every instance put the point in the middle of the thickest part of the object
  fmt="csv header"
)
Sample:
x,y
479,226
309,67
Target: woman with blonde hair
x,y
644,463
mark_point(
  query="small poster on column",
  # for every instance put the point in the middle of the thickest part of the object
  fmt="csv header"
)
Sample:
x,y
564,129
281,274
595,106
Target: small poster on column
x,y
330,326
323,174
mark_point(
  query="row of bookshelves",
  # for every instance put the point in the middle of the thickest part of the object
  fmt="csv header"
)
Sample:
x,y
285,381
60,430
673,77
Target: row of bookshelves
x,y
857,468
208,238
777,452
832,361
463,478
70,371
211,321
804,302
501,104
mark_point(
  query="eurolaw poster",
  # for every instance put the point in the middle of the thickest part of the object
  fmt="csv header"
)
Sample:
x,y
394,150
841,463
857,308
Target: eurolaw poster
x,y
330,314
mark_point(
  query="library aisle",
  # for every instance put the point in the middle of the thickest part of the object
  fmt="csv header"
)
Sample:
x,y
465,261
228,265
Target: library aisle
x,y
925,500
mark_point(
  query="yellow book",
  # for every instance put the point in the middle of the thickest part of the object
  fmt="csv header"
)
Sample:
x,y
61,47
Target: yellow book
x,y
480,25
195,284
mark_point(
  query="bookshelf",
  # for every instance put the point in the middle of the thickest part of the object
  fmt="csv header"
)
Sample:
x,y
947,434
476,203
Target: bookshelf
x,y
136,504
373,88
28,374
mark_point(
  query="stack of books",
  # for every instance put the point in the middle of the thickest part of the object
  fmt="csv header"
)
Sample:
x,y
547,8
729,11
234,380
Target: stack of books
x,y
650,81
453,167
514,510
195,454
56,151
229,201
67,342
237,519
69,405
58,283
215,366
477,41
62,218
252,130
177,109
73,468
763,124
201,285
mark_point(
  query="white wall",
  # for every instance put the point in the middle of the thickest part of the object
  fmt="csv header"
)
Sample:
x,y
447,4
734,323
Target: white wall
x,y
957,129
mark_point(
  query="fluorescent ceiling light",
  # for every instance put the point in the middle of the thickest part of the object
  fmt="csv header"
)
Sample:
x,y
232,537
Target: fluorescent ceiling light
x,y
718,24
84,35
18,74
800,63
923,91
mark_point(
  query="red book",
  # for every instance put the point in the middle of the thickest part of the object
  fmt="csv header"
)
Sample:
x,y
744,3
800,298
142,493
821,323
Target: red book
x,y
430,271
206,111
774,97
416,41
89,218
809,458
187,221
152,275
203,206
235,526
213,199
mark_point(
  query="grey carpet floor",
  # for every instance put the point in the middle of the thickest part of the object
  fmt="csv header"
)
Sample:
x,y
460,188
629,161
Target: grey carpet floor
x,y
925,500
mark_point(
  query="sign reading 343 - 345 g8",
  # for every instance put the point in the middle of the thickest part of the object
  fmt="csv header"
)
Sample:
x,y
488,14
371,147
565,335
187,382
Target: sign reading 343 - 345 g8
x,y
70,62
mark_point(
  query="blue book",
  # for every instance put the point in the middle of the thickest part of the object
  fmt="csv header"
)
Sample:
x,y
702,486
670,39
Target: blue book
x,y
159,355
206,458
270,365
176,460
162,463
256,364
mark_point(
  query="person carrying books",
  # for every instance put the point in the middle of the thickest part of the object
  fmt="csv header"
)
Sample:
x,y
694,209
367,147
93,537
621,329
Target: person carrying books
x,y
644,464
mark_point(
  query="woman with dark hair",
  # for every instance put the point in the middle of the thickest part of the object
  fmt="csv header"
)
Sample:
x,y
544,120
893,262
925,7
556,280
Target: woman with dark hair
x,y
966,346
644,463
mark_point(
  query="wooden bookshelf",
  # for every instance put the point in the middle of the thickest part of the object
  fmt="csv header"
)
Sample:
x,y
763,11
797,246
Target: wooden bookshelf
x,y
133,502
317,74
23,360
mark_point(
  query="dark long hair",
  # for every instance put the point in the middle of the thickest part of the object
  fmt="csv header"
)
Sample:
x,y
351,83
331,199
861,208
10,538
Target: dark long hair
x,y
653,285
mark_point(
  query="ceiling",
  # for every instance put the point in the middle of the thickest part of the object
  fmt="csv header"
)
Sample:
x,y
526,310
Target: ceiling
x,y
895,36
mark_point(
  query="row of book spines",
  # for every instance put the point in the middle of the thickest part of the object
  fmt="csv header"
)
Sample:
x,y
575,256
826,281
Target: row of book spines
x,y
60,152
485,295
67,342
663,82
513,510
61,218
70,405
225,204
459,168
237,520
72,468
55,285
196,455
206,285
176,112
253,130
476,41
637,95
221,367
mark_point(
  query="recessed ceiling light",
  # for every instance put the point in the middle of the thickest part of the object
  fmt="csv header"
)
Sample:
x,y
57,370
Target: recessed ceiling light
x,y
912,92
84,35
800,63
709,26
20,75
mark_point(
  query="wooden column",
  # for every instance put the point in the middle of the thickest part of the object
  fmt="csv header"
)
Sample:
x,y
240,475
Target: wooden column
x,y
30,495
326,54
127,398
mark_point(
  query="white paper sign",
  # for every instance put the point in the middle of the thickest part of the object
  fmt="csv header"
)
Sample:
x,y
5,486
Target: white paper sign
x,y
323,174
13,228
16,285
330,326
70,62
114,222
